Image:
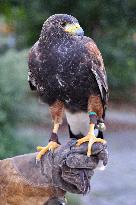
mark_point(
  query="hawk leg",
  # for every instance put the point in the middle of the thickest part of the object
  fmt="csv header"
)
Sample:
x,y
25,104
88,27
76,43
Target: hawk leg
x,y
94,106
57,110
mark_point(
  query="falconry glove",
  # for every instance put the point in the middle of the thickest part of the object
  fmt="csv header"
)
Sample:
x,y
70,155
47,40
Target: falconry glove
x,y
67,168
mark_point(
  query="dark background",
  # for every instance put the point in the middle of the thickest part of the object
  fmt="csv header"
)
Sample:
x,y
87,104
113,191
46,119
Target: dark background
x,y
24,122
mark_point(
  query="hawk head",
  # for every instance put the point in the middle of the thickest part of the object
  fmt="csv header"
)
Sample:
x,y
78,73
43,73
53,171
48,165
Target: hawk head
x,y
62,25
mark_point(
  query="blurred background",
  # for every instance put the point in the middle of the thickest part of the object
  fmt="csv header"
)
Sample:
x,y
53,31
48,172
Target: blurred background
x,y
25,122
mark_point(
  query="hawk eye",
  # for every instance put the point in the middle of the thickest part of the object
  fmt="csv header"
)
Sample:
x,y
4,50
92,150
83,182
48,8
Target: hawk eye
x,y
63,24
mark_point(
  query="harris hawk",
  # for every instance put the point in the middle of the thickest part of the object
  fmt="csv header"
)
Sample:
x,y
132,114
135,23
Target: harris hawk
x,y
67,70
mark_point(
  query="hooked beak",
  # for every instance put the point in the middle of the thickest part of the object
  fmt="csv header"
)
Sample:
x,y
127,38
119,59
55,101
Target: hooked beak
x,y
74,29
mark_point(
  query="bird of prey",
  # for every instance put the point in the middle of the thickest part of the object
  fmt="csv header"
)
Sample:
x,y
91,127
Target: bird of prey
x,y
67,70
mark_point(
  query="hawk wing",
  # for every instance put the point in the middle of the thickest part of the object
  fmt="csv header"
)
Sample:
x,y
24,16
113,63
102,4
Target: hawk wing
x,y
96,64
33,65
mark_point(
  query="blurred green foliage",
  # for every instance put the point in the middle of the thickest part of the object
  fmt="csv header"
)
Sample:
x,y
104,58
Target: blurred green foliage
x,y
73,199
12,94
110,23
16,104
19,110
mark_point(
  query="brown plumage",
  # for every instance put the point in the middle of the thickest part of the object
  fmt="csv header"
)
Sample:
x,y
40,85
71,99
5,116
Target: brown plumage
x,y
66,68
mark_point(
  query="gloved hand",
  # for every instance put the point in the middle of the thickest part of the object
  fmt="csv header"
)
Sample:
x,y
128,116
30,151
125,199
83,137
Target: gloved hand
x,y
68,168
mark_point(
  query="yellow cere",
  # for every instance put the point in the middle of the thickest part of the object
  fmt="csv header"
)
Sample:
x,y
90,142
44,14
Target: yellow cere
x,y
72,28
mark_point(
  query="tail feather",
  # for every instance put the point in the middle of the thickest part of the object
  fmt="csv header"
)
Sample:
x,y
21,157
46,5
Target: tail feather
x,y
71,135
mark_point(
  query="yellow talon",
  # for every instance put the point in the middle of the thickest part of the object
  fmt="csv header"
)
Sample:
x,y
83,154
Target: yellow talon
x,y
91,139
39,148
42,150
